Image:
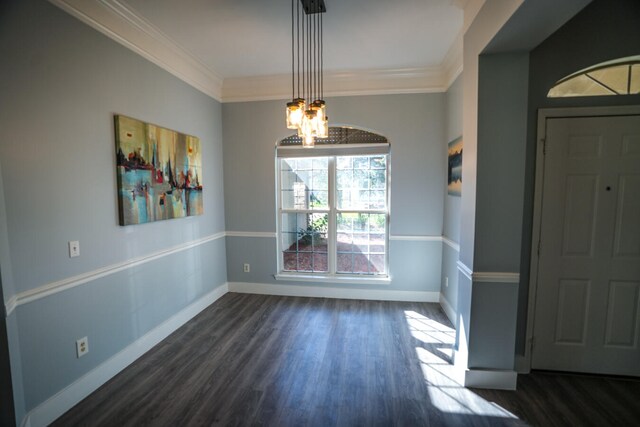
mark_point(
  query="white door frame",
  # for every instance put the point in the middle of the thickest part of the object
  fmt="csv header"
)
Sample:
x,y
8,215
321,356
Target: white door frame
x,y
543,115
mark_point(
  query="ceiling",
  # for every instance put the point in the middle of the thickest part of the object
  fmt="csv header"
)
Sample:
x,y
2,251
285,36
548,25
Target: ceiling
x,y
243,38
240,49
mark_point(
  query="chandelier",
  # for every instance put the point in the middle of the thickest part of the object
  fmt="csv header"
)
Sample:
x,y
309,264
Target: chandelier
x,y
307,111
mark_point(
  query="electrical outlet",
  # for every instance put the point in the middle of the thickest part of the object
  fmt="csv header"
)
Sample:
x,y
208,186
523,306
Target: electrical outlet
x,y
247,267
82,347
74,249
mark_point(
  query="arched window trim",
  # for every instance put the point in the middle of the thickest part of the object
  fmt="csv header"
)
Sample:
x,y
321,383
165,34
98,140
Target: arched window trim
x,y
342,140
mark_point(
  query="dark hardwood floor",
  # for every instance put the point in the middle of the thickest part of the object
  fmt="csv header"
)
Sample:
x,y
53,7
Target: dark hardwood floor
x,y
285,361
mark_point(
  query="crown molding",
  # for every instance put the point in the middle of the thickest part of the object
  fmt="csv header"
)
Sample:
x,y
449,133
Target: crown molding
x,y
452,63
125,26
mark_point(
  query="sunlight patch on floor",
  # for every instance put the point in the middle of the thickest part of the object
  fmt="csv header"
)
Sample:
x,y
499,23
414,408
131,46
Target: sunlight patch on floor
x,y
429,331
444,381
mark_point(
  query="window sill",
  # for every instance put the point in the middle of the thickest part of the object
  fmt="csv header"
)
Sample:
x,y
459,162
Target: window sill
x,y
324,278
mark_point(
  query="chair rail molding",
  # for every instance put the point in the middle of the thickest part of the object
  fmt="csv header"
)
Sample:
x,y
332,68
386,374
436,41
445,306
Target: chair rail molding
x,y
488,276
81,279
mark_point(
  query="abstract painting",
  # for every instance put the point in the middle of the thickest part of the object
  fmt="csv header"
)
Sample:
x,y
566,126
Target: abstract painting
x,y
454,169
159,172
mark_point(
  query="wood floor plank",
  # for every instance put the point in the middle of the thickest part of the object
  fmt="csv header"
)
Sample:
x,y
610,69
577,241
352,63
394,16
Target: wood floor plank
x,y
288,361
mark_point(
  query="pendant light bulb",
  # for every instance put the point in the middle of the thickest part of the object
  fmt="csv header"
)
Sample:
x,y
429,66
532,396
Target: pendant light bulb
x,y
308,129
294,115
307,141
321,108
323,130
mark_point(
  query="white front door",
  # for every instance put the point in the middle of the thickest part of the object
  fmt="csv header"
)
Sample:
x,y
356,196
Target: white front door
x,y
587,315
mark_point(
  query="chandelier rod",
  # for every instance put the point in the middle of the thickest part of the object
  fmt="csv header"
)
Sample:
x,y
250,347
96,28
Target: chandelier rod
x,y
321,59
293,74
298,42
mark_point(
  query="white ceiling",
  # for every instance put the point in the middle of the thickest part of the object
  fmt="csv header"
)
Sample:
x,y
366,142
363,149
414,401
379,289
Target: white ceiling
x,y
244,38
241,49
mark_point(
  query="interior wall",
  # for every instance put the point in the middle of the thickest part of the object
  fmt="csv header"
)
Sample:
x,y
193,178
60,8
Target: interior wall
x,y
7,328
451,215
502,112
61,84
488,21
415,127
502,123
602,31
453,106
7,409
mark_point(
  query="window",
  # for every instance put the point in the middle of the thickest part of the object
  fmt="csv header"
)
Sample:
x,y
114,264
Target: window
x,y
333,210
619,77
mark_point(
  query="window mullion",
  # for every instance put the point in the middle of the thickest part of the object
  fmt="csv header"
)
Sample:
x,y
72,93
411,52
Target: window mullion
x,y
304,211
364,211
332,245
280,260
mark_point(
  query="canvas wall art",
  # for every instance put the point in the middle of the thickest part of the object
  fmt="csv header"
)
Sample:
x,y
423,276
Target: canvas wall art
x,y
454,169
159,172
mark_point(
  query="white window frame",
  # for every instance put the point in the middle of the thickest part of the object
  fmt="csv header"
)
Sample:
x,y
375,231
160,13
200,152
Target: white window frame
x,y
332,152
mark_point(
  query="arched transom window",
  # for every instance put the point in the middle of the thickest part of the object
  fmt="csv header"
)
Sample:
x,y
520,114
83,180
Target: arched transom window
x,y
618,77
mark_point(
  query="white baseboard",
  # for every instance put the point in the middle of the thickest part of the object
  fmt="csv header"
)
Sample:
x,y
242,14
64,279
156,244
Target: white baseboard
x,y
331,292
493,379
448,309
65,399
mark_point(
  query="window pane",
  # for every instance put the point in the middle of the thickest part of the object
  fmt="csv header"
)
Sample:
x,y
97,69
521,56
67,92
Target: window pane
x,y
344,162
580,85
361,243
377,243
378,162
635,79
362,183
361,178
304,242
377,199
305,164
361,162
345,179
378,179
614,77
304,183
320,162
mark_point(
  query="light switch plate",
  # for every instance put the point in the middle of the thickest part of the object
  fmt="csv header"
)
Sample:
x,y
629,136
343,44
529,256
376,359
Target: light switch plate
x,y
74,249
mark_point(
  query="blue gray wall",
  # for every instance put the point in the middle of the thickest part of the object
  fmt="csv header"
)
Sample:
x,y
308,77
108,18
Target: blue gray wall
x,y
415,126
7,330
61,84
451,216
502,108
602,31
